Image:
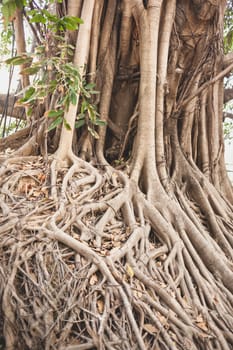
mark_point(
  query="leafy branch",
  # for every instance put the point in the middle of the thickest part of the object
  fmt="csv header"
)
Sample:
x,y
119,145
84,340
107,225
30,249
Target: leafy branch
x,y
54,75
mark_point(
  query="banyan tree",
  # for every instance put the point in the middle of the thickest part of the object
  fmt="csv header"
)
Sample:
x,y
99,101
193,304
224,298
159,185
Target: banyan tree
x,y
116,211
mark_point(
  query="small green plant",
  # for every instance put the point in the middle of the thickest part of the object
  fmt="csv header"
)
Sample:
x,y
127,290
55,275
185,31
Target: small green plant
x,y
88,114
54,75
5,41
120,161
8,8
228,130
228,28
12,126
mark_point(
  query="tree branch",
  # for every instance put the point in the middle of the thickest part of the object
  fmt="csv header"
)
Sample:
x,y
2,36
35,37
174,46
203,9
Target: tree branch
x,y
11,110
228,59
227,115
15,140
221,75
228,95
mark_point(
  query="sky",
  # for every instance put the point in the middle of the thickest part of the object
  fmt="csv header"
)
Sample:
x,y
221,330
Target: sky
x,y
4,80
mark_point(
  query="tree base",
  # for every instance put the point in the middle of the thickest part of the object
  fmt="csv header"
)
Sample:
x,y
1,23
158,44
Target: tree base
x,y
86,264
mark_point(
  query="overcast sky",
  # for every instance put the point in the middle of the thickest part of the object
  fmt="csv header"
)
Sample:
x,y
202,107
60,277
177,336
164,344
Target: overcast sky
x,y
4,80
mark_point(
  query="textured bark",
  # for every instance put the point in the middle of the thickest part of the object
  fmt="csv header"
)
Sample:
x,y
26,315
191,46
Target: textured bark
x,y
227,115
228,59
7,107
20,43
228,95
125,242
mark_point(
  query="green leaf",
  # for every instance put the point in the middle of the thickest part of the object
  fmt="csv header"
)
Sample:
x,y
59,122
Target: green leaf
x,y
93,132
79,123
66,124
91,112
73,97
67,24
17,60
29,95
55,123
89,86
29,111
69,68
38,18
84,106
70,22
30,70
40,49
19,3
8,11
53,113
49,16
100,122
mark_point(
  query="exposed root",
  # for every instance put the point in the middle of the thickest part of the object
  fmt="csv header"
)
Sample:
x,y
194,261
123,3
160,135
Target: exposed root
x,y
93,268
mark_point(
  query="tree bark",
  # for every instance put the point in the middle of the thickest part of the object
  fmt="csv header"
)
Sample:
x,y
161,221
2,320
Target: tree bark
x,y
20,43
9,103
228,95
125,241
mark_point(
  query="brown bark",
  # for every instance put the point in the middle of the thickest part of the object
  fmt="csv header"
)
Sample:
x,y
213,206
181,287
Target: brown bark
x,y
20,43
228,59
228,95
131,248
227,115
7,106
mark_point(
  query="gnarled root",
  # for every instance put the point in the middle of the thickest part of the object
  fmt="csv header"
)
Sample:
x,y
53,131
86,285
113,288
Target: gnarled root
x,y
100,266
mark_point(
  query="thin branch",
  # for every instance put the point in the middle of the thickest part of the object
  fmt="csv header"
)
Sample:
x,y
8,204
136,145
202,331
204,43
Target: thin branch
x,y
221,75
228,95
227,115
11,110
228,59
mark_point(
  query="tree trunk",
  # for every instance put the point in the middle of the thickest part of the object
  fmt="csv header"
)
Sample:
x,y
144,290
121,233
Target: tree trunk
x,y
125,242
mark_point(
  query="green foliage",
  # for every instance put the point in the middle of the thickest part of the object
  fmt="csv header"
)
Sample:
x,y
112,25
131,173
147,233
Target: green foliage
x,y
88,114
228,130
228,47
12,127
228,28
55,123
52,73
52,22
18,60
5,41
228,123
8,9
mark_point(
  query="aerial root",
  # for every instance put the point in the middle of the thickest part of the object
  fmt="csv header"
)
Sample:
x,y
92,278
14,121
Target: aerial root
x,y
95,269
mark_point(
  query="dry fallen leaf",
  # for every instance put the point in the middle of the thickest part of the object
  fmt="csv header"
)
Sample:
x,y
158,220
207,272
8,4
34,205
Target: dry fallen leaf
x,y
41,177
200,322
203,326
25,184
100,306
129,270
150,328
199,318
116,244
162,319
36,193
93,280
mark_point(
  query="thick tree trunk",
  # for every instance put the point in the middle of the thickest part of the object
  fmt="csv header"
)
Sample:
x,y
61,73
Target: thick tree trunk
x,y
20,43
128,242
